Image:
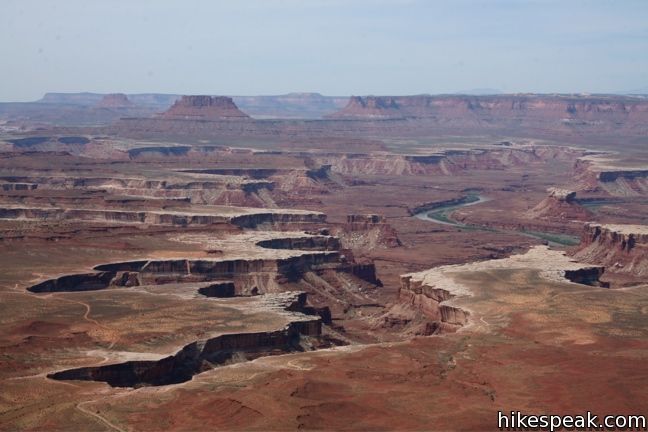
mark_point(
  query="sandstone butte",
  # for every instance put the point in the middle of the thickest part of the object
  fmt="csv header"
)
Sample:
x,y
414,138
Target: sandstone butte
x,y
114,100
204,108
560,204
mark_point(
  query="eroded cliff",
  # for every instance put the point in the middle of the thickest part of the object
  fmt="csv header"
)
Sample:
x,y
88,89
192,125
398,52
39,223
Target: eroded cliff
x,y
620,248
204,108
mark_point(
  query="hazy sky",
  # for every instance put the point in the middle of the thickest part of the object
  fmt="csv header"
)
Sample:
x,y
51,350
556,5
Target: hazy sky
x,y
336,47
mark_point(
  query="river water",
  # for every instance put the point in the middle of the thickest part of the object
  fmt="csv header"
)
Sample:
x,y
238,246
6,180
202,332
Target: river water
x,y
442,215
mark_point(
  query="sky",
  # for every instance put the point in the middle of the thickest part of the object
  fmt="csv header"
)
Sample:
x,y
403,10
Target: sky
x,y
334,47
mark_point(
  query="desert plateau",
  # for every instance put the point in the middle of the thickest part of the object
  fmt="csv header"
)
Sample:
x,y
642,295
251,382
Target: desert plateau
x,y
188,260
320,273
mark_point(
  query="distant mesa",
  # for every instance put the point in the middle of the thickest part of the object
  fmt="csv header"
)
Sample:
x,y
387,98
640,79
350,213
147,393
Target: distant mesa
x,y
370,107
204,108
115,100
563,109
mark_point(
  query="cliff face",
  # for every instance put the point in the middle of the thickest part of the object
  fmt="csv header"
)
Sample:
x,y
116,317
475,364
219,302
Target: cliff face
x,y
507,109
366,232
624,182
601,172
300,334
429,301
204,108
448,162
422,309
250,220
621,248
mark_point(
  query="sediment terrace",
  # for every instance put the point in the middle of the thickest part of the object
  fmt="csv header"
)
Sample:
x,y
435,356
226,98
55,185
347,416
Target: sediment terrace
x,y
429,301
273,280
245,187
300,334
248,274
241,217
450,161
216,189
612,175
256,263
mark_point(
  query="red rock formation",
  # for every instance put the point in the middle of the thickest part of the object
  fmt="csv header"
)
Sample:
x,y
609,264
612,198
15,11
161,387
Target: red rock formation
x,y
508,109
367,232
560,204
420,310
603,173
114,100
204,354
204,108
447,162
371,107
621,248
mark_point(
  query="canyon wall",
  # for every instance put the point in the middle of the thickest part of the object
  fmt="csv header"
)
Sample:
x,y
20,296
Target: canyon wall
x,y
603,173
620,248
428,301
366,232
302,333
175,218
448,162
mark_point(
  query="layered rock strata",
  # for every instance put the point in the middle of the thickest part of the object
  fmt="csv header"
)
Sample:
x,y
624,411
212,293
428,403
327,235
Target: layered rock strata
x,y
428,299
604,173
559,108
204,108
620,248
299,335
367,231
415,116
449,162
560,204
244,218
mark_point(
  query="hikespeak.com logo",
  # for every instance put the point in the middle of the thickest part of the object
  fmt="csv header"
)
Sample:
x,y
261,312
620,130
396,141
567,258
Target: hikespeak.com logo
x,y
515,420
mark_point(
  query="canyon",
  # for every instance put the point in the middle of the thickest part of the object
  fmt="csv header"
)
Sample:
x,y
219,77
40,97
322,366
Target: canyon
x,y
310,262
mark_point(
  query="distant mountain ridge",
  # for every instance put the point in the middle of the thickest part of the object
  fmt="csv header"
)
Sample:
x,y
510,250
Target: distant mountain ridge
x,y
497,108
456,110
290,105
